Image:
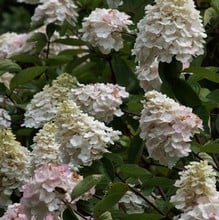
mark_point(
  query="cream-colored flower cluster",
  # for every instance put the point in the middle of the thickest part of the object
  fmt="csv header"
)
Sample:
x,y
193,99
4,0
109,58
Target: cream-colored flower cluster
x,y
5,119
45,148
103,27
55,11
41,195
149,77
43,106
82,138
100,100
167,128
170,28
197,195
15,164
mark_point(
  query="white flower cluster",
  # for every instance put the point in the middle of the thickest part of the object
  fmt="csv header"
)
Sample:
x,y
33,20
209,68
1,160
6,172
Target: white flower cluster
x,y
45,148
5,119
15,164
197,185
170,28
132,204
13,44
5,78
55,11
41,195
167,128
28,1
82,138
208,211
43,106
103,27
99,100
197,195
149,77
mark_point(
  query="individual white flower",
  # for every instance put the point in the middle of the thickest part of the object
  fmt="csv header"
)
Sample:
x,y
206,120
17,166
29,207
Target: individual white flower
x,y
15,164
132,204
100,100
197,185
55,11
149,77
103,27
208,211
13,44
43,106
170,28
5,78
82,138
167,128
47,189
114,3
45,148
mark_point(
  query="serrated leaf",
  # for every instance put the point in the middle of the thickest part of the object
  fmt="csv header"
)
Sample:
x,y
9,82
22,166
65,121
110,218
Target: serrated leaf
x,y
133,170
26,75
85,185
9,66
114,194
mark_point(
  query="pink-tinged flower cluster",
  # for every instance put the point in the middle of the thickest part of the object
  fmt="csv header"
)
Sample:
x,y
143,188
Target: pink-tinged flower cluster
x,y
170,28
13,44
100,100
167,128
15,165
103,27
48,189
82,138
55,11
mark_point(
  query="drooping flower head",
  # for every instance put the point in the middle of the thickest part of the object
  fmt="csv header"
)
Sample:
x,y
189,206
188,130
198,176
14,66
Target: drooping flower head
x,y
15,164
167,128
197,185
99,100
103,27
55,11
170,28
45,148
82,138
41,195
43,106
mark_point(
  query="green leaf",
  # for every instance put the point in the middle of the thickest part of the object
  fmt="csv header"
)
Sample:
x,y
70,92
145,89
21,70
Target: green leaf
x,y
26,75
114,194
209,14
134,103
27,58
124,75
215,4
185,94
71,41
211,147
85,185
108,168
69,215
40,40
135,149
141,217
9,66
158,181
105,216
214,96
199,73
133,170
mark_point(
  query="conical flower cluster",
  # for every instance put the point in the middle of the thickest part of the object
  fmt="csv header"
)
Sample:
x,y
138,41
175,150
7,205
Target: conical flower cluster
x,y
167,128
82,138
43,106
